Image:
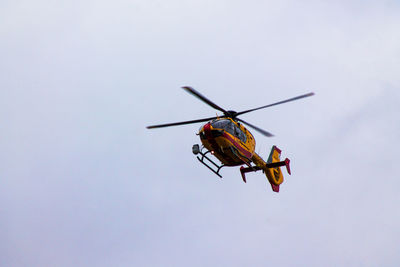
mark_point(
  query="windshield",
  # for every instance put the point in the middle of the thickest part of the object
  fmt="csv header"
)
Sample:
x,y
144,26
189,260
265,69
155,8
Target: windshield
x,y
230,127
223,124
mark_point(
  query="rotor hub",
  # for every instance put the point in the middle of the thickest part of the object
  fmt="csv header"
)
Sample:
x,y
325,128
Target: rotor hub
x,y
231,113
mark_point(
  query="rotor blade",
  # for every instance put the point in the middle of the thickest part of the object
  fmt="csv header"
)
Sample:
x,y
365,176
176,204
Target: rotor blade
x,y
264,132
203,98
277,103
179,123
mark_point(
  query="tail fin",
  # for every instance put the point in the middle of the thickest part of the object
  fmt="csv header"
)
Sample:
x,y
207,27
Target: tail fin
x,y
271,167
273,170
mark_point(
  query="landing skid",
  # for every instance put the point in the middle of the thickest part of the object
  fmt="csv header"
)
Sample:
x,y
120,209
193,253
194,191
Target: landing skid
x,y
196,150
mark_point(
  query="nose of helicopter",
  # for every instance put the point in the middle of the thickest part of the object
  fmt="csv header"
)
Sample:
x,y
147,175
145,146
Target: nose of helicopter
x,y
207,130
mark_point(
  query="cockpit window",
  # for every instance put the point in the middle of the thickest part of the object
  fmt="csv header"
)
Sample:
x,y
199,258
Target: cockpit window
x,y
239,133
227,125
230,127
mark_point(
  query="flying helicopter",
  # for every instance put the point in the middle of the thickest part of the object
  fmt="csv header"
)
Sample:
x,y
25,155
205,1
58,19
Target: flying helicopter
x,y
226,138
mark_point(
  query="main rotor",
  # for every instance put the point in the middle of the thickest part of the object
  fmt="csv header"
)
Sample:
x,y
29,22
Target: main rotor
x,y
227,113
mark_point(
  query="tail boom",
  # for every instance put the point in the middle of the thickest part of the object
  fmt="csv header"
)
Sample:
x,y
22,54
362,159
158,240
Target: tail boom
x,y
271,168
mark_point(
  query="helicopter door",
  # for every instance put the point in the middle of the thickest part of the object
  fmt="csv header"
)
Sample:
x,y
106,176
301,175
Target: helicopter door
x,y
240,134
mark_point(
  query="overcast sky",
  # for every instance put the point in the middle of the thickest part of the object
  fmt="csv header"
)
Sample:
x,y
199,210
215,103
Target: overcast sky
x,y
84,183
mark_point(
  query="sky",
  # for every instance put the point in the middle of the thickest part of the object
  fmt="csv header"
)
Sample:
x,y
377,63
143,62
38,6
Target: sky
x,y
84,183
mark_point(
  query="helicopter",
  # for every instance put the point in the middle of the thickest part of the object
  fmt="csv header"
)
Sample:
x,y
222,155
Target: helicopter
x,y
226,138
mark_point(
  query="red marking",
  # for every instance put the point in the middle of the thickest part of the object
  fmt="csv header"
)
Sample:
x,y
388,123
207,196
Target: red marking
x,y
246,153
287,162
275,188
207,129
277,149
210,139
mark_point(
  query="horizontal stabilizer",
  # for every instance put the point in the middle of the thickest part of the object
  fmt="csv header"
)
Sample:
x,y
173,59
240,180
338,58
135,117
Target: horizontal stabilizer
x,y
243,170
271,168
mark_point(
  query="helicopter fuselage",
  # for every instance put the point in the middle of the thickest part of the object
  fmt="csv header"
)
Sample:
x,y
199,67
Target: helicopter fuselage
x,y
228,140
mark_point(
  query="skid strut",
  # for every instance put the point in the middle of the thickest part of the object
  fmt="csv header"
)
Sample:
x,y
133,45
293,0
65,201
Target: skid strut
x,y
196,150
